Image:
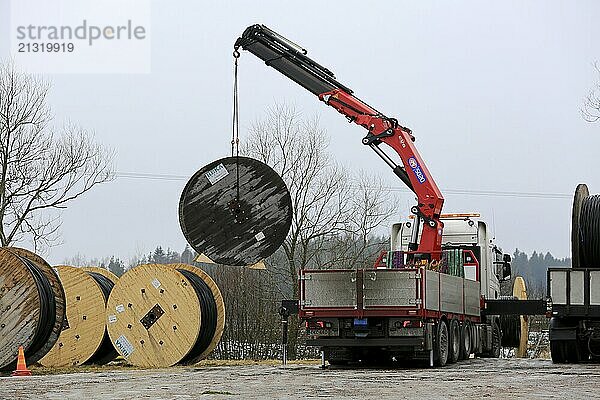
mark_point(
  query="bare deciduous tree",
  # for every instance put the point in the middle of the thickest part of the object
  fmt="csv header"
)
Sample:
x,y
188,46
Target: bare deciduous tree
x,y
40,169
591,104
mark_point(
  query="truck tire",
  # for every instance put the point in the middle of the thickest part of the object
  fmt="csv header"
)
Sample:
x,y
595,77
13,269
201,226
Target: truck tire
x,y
494,351
557,352
572,351
466,340
496,341
440,348
454,342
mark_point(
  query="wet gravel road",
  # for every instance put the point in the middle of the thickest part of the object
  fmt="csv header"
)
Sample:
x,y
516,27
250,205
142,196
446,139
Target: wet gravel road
x,y
472,379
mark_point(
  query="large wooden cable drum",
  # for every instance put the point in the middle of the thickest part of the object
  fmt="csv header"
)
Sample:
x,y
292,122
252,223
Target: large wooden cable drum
x,y
32,306
83,338
236,211
160,315
520,293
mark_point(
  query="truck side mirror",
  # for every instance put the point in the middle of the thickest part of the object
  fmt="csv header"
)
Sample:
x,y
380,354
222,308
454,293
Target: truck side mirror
x,y
506,268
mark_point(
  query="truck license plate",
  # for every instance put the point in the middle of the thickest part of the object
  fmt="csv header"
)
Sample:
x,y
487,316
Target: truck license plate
x,y
360,322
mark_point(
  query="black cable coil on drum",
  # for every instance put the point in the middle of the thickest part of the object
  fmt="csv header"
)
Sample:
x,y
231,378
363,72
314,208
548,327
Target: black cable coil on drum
x,y
47,314
589,231
208,313
511,327
106,351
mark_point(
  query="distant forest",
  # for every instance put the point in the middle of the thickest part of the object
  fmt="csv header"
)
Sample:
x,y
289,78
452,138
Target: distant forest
x,y
533,268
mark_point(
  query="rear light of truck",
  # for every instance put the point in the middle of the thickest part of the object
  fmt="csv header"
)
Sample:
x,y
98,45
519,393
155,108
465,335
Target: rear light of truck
x,y
409,323
322,327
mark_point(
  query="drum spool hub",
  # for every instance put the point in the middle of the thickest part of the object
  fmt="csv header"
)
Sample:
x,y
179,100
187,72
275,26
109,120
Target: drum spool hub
x,y
161,315
84,338
32,306
236,211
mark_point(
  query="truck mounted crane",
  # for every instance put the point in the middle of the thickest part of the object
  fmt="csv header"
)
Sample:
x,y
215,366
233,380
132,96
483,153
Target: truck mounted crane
x,y
435,295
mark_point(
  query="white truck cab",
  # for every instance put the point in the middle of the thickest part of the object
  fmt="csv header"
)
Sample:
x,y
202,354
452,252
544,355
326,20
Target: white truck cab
x,y
467,232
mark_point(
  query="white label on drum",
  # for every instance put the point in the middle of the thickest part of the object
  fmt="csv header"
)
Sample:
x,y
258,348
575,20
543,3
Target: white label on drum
x,y
120,308
259,236
112,319
156,283
124,347
216,174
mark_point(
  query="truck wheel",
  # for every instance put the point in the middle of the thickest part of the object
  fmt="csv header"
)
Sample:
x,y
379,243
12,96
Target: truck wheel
x,y
584,352
454,342
496,341
494,351
557,352
572,351
440,349
465,344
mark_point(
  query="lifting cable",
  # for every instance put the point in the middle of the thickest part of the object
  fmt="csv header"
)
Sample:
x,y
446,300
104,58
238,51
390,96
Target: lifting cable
x,y
589,231
208,315
235,124
47,312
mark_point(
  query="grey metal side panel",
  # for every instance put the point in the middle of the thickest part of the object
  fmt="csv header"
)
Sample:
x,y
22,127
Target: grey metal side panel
x,y
594,288
432,290
330,289
471,297
558,287
577,288
389,288
451,293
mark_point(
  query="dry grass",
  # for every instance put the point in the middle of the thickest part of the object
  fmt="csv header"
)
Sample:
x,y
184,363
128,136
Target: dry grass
x,y
121,365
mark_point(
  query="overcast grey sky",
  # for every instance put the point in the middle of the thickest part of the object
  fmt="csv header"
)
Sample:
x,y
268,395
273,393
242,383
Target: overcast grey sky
x,y
492,91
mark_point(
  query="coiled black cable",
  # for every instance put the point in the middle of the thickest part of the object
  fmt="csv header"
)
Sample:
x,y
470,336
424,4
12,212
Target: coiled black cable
x,y
589,231
208,312
511,327
106,285
47,316
106,351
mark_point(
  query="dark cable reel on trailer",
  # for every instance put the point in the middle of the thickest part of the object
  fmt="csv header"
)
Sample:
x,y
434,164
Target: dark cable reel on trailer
x,y
585,229
236,211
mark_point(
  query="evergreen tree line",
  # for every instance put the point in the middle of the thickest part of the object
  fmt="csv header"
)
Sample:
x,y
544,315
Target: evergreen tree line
x,y
253,297
533,269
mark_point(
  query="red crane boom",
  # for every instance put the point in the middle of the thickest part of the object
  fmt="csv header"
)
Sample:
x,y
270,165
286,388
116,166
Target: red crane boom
x,y
291,60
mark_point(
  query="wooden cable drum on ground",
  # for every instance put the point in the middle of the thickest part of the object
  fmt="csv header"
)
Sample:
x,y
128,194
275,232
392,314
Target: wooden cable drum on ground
x,y
32,306
158,315
83,338
520,292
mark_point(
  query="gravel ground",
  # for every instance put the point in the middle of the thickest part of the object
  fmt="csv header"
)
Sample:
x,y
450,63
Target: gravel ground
x,y
472,379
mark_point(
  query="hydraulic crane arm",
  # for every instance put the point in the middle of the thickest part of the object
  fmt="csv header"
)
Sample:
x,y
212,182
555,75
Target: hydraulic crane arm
x,y
291,60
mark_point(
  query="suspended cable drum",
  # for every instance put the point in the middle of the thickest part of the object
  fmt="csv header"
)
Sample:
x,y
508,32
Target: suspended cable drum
x,y
83,338
153,316
585,229
219,324
32,306
236,210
